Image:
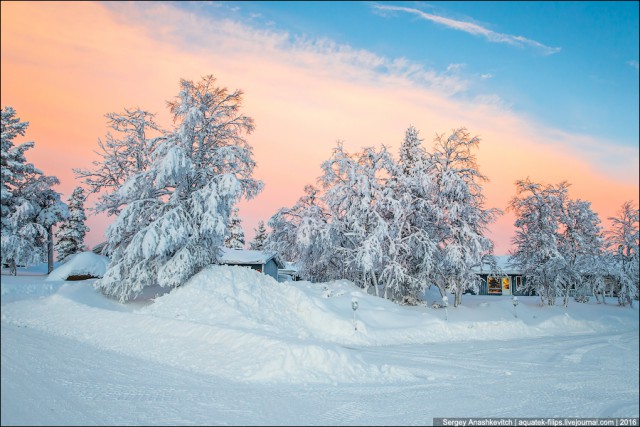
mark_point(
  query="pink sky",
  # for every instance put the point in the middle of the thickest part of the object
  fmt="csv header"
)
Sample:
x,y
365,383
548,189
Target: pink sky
x,y
65,65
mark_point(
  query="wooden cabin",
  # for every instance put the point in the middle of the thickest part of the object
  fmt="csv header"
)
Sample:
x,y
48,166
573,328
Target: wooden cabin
x,y
264,262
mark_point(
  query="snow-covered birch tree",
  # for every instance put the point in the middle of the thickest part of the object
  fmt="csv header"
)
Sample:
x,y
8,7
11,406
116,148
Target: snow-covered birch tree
x,y
125,152
396,227
354,185
302,234
408,208
581,244
536,241
72,231
623,241
461,219
559,241
177,209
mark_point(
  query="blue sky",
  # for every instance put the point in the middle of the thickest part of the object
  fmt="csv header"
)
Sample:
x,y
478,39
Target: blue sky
x,y
571,65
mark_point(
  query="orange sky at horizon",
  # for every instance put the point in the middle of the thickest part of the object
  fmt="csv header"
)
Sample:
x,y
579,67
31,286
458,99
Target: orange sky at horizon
x,y
65,65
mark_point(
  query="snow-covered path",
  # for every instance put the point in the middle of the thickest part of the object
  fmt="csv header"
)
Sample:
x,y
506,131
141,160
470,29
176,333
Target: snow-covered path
x,y
50,379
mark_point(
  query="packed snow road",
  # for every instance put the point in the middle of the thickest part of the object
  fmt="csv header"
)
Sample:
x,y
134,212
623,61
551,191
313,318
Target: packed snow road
x,y
48,379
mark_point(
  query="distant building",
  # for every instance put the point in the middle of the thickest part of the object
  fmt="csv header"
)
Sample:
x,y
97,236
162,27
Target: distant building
x,y
264,262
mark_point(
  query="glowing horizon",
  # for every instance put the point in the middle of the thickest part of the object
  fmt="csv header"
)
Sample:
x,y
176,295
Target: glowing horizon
x,y
65,65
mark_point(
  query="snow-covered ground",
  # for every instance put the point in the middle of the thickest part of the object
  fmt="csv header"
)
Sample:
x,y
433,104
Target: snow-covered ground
x,y
233,346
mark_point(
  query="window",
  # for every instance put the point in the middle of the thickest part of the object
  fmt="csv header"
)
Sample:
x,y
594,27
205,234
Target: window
x,y
495,286
517,283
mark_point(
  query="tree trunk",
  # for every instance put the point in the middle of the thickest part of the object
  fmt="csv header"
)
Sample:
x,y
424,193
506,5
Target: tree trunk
x,y
595,294
12,267
374,280
458,299
50,249
541,291
364,281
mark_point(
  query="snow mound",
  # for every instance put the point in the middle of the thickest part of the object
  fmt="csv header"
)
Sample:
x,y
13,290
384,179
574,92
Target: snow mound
x,y
238,324
266,330
81,264
240,298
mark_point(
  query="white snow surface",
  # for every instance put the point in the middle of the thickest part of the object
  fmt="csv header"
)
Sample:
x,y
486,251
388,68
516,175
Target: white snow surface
x,y
233,346
244,256
80,264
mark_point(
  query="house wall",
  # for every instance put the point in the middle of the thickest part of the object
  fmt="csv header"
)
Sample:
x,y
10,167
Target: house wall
x,y
518,290
271,268
515,289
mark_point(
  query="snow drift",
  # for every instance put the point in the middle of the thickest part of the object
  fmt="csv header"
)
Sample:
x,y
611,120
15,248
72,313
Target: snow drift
x,y
81,264
236,323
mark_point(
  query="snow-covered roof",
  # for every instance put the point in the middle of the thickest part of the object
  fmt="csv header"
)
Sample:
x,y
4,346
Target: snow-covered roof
x,y
246,256
503,264
290,267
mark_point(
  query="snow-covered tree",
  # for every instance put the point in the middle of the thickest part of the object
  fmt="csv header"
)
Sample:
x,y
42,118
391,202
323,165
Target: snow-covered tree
x,y
623,240
354,184
302,234
235,233
12,174
30,207
176,210
461,219
409,211
392,226
595,268
581,244
258,242
71,232
559,241
536,252
122,156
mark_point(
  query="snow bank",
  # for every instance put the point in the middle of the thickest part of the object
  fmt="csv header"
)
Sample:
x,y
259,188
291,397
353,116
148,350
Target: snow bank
x,y
241,298
236,323
81,264
23,287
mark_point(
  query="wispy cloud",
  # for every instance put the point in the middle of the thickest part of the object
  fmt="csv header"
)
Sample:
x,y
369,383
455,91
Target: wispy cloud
x,y
455,67
473,29
634,64
313,53
310,90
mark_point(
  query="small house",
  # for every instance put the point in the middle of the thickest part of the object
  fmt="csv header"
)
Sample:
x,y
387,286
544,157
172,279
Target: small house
x,y
504,279
261,261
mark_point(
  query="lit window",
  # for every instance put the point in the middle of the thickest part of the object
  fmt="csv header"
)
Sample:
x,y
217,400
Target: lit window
x,y
494,286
